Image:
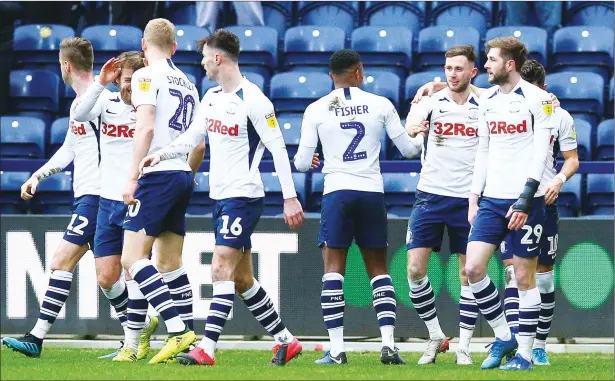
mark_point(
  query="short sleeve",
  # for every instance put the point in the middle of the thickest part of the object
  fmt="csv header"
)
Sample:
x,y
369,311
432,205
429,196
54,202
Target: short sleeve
x,y
567,134
144,88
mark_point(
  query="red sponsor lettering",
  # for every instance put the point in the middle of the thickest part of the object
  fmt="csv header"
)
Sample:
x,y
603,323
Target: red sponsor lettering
x,y
504,128
78,129
457,129
121,131
214,125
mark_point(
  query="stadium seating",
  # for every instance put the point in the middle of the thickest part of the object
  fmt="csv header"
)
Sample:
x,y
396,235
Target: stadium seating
x,y
609,111
57,135
200,202
37,46
534,38
259,48
384,47
310,47
278,15
196,72
569,199
180,12
343,14
54,194
396,13
604,140
34,90
274,202
290,125
256,79
111,40
187,37
383,84
294,91
594,13
22,137
399,192
482,80
581,94
584,139
415,81
476,14
434,41
584,48
599,199
10,192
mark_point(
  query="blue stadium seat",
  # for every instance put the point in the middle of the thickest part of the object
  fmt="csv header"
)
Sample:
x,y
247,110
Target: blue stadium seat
x,y
309,47
399,192
10,192
599,199
569,199
22,137
316,189
384,84
584,139
255,78
533,37
59,128
192,78
193,72
180,12
39,44
396,13
111,40
206,84
259,48
294,91
609,110
200,202
581,94
274,203
384,46
34,90
434,41
476,14
187,37
482,80
605,138
584,48
343,14
278,15
414,82
290,125
594,13
54,194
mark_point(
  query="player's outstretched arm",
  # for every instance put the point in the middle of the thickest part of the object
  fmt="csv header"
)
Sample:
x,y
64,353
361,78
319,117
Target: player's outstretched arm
x,y
308,141
195,157
90,105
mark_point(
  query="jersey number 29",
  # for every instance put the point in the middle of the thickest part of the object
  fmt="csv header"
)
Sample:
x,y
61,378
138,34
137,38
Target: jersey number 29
x,y
350,154
181,111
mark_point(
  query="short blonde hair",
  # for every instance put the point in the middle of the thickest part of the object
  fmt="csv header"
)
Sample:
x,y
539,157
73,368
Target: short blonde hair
x,y
160,33
78,51
510,49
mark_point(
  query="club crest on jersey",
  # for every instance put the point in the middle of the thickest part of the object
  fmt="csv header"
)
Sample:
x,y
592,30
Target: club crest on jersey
x,y
335,102
514,106
144,84
473,114
271,120
547,107
232,108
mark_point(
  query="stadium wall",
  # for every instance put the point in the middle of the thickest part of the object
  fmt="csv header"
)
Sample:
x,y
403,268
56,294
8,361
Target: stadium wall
x,y
289,265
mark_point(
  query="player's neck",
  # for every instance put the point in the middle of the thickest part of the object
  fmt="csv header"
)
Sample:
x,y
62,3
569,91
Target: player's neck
x,y
513,80
459,98
82,81
229,78
152,55
342,85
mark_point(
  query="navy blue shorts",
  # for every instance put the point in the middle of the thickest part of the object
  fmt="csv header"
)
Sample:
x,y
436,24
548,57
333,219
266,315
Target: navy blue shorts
x,y
348,214
162,200
109,232
491,226
82,226
235,219
548,241
431,213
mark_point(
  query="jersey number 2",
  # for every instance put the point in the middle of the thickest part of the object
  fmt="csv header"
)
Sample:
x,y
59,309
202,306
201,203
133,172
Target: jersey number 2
x,y
350,154
181,111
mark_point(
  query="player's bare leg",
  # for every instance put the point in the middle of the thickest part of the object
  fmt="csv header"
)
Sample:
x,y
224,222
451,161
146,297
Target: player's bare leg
x,y
468,314
529,304
488,300
545,281
65,258
424,302
258,302
384,302
332,303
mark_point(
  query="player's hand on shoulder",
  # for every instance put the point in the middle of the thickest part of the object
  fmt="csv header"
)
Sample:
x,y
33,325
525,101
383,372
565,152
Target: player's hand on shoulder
x,y
110,71
293,213
553,189
315,161
149,161
554,100
129,193
517,218
426,89
28,189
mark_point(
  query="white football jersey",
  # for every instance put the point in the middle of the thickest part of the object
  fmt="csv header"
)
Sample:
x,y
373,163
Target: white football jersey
x,y
563,138
350,123
163,85
450,149
509,121
84,138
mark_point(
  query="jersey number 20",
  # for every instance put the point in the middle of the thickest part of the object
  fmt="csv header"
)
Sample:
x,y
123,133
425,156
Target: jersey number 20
x,y
182,111
350,154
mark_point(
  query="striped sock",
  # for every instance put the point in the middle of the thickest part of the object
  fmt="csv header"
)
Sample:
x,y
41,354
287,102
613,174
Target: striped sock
x,y
157,294
258,302
332,304
219,309
118,297
529,311
511,300
181,292
53,301
385,305
136,314
424,302
468,314
488,301
546,286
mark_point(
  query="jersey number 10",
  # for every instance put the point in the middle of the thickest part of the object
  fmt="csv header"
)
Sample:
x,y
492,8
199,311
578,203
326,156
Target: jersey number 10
x,y
350,154
181,111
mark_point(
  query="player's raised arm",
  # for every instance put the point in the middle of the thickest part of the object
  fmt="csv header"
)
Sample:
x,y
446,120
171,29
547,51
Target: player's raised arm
x,y
480,165
90,105
408,146
308,142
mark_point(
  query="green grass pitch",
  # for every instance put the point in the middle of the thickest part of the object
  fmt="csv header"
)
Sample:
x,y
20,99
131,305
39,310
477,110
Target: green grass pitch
x,y
83,364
